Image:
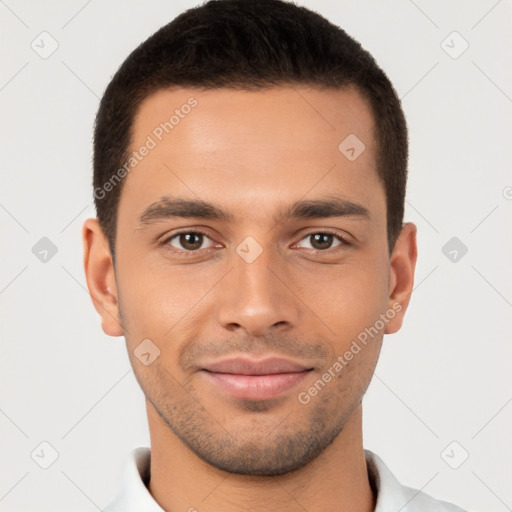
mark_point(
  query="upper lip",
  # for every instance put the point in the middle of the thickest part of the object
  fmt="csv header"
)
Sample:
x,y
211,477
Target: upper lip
x,y
245,366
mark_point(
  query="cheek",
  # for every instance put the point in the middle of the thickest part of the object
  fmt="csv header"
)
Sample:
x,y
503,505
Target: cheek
x,y
347,298
158,301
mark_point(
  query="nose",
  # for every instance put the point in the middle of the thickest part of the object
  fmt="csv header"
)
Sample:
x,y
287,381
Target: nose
x,y
257,297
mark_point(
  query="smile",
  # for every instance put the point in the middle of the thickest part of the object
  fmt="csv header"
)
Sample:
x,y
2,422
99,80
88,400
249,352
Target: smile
x,y
255,380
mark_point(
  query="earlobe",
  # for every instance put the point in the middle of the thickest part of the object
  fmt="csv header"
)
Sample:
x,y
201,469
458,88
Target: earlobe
x,y
100,276
403,263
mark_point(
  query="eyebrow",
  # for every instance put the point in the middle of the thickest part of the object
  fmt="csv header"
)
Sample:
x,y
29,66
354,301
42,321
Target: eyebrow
x,y
175,207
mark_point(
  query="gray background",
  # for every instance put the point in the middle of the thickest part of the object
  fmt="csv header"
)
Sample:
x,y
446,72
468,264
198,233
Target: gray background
x,y
445,377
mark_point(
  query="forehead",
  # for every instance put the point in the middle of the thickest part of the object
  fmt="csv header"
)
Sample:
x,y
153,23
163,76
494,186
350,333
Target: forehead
x,y
252,147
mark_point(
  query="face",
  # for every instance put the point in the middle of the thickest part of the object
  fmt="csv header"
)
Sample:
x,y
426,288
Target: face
x,y
252,252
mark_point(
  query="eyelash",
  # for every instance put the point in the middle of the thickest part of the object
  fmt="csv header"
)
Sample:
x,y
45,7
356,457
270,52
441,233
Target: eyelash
x,y
165,242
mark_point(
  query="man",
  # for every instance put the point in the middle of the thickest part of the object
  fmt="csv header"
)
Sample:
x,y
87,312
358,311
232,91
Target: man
x,y
250,166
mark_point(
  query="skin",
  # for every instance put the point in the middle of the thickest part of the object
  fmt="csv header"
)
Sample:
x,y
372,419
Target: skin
x,y
253,154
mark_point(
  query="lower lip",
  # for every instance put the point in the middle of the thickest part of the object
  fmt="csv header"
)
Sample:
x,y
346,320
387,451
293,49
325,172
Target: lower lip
x,y
256,387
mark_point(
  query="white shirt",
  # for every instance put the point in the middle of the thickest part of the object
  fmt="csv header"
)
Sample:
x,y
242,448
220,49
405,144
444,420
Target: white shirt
x,y
133,495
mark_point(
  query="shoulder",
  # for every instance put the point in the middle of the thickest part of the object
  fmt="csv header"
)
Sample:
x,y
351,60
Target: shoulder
x,y
421,502
393,496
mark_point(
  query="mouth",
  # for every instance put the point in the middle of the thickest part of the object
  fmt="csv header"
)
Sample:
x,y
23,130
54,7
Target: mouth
x,y
251,379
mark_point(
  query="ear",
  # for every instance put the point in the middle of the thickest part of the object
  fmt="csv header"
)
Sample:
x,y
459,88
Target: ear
x,y
403,263
100,276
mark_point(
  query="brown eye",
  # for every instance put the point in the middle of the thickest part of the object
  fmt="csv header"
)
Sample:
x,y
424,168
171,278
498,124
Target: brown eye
x,y
191,241
322,241
188,241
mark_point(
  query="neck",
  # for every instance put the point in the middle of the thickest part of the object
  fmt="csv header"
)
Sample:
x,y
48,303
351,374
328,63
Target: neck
x,y
336,479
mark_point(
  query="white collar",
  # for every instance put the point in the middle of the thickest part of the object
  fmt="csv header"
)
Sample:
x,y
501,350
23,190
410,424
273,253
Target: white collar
x,y
133,495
